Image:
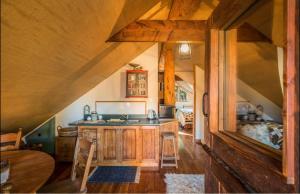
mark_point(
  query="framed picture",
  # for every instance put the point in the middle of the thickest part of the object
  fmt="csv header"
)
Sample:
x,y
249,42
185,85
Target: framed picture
x,y
136,84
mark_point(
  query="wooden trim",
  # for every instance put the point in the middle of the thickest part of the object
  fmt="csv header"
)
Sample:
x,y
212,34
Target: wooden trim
x,y
213,89
194,107
207,135
297,102
230,82
221,70
291,102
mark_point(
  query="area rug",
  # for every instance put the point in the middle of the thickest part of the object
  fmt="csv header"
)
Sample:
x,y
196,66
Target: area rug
x,y
115,174
184,183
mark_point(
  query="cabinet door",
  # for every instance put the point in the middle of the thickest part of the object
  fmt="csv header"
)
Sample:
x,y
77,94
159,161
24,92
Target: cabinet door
x,y
129,143
150,144
91,135
109,143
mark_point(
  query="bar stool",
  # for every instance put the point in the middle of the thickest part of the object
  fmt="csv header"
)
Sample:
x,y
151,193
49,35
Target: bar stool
x,y
168,136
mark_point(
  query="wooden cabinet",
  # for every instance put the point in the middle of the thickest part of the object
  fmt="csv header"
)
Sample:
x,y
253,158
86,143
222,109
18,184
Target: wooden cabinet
x,y
119,144
109,144
136,83
129,143
149,144
65,147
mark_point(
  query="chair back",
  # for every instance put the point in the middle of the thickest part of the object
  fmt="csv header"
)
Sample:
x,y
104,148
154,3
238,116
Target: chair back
x,y
83,156
10,141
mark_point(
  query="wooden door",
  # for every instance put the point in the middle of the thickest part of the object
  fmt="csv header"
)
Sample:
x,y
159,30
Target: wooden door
x,y
91,135
129,143
149,144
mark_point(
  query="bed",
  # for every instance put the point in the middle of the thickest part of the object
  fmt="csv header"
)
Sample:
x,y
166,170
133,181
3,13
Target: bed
x,y
267,132
185,117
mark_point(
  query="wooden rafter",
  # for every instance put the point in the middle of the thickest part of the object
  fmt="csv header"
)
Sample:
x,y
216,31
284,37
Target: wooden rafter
x,y
180,9
162,31
183,9
227,12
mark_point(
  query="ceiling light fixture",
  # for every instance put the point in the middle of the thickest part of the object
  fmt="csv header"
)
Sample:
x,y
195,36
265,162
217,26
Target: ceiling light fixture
x,y
185,50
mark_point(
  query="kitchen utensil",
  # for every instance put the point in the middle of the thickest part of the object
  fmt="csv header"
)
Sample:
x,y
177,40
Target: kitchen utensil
x,y
94,116
151,114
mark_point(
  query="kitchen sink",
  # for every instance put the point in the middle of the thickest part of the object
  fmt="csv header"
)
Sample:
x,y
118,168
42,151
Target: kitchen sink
x,y
115,121
133,121
166,119
122,120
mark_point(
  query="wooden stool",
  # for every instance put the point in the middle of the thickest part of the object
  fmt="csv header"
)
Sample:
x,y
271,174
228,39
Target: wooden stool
x,y
168,136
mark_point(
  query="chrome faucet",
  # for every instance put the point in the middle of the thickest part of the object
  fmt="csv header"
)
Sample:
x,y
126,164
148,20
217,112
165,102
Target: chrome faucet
x,y
124,116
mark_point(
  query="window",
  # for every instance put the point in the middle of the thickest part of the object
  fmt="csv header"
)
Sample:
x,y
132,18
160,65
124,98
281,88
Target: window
x,y
252,77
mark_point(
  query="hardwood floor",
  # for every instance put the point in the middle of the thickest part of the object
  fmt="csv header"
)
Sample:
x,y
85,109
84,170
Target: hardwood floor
x,y
192,158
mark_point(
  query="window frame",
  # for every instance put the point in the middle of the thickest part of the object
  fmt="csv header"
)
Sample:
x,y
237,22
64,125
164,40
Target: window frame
x,y
216,39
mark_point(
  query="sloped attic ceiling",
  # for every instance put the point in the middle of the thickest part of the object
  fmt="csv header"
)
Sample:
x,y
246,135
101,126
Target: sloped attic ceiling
x,y
54,51
258,67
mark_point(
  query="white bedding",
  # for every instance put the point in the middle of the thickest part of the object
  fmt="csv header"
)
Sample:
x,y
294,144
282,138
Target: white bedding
x,y
180,115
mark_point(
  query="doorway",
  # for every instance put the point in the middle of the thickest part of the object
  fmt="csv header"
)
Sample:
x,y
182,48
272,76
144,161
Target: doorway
x,y
188,59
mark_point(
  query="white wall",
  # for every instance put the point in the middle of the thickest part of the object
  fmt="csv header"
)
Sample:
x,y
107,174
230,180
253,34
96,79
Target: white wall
x,y
271,110
199,90
114,89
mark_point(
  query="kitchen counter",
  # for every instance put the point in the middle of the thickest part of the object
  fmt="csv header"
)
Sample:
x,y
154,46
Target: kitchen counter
x,y
135,142
130,122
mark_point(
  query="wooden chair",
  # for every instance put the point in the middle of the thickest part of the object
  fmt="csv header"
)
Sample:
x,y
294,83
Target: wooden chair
x,y
10,141
83,156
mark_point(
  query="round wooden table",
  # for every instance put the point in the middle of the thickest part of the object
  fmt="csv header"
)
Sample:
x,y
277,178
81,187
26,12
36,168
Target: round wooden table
x,y
29,170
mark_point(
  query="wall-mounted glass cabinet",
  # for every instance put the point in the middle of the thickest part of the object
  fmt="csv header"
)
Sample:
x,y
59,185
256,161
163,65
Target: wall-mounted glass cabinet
x,y
136,84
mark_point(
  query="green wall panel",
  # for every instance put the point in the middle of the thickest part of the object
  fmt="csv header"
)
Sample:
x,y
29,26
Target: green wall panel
x,y
44,135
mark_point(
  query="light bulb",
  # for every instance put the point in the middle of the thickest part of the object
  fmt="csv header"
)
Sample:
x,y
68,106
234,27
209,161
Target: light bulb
x,y
184,48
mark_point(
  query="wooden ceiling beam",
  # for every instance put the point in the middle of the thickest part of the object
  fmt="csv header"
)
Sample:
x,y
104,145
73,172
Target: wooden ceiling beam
x,y
180,9
162,31
227,12
183,9
247,33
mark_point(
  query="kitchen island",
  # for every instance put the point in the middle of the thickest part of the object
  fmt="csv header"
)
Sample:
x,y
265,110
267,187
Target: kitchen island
x,y
131,142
